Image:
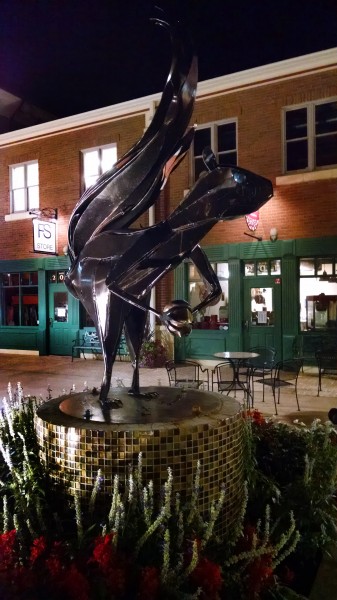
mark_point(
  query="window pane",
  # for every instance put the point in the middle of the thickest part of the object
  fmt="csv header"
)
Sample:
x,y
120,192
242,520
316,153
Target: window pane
x,y
262,309
296,123
326,150
202,138
318,304
18,177
211,317
33,197
29,306
199,167
226,137
250,268
297,155
307,266
262,267
326,117
32,174
228,158
324,266
275,267
19,200
222,270
11,304
61,307
109,157
90,163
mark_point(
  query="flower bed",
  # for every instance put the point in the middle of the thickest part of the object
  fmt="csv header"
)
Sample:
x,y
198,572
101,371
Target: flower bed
x,y
149,548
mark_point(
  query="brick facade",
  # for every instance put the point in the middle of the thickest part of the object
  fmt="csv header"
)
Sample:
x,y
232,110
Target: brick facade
x,y
301,207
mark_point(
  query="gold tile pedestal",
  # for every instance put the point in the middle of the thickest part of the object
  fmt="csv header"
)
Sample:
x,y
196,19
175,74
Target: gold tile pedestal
x,y
171,428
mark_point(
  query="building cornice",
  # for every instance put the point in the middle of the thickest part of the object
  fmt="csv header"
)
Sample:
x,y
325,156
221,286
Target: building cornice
x,y
264,75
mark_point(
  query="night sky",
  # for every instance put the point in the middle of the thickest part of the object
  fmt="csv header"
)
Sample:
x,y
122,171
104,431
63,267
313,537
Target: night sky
x,y
69,56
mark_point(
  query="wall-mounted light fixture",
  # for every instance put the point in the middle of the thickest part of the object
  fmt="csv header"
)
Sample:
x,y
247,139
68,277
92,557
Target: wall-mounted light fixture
x,y
65,250
273,234
47,213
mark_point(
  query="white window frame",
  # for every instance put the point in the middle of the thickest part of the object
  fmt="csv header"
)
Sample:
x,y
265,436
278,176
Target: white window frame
x,y
25,188
311,137
213,127
100,169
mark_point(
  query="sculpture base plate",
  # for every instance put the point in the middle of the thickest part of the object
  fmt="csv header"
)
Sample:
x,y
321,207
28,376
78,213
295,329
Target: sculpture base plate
x,y
155,404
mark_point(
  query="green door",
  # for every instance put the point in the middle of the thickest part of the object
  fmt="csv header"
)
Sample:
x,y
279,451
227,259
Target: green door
x,y
262,313
62,319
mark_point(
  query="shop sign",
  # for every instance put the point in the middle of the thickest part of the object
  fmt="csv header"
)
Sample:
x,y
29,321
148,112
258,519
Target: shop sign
x,y
252,220
44,236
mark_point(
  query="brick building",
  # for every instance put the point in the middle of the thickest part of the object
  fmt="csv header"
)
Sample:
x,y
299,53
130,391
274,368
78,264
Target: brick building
x,y
277,268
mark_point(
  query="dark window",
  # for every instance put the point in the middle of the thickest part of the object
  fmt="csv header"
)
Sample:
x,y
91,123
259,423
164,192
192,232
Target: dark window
x,y
20,299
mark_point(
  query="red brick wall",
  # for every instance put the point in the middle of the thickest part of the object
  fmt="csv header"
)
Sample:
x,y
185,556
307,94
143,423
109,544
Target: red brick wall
x,y
59,159
298,210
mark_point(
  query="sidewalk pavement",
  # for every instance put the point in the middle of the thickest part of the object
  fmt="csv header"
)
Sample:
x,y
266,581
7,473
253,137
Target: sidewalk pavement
x,y
53,376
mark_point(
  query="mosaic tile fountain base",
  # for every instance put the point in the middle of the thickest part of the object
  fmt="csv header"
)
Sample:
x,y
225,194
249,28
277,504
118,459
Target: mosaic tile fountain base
x,y
170,428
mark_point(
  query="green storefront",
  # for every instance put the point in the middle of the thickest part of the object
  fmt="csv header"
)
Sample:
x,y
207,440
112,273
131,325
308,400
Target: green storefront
x,y
281,294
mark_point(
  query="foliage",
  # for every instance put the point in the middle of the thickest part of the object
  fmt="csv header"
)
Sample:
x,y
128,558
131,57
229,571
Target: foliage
x,y
153,353
296,469
148,547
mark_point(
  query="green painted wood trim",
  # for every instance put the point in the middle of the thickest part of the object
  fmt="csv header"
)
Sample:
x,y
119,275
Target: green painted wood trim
x,y
181,282
268,249
57,263
290,295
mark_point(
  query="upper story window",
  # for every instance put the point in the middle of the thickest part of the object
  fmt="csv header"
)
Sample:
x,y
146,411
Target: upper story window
x,y
24,186
96,161
222,138
310,134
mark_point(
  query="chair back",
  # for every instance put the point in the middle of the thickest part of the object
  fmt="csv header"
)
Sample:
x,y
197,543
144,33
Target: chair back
x,y
288,370
327,361
224,376
184,374
265,360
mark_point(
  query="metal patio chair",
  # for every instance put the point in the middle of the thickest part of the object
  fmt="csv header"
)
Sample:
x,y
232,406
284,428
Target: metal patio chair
x,y
186,373
232,378
284,374
260,366
327,365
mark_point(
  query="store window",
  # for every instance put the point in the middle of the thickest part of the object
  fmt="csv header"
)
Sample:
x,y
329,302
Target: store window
x,y
24,186
310,134
216,315
263,267
318,294
96,161
222,138
20,299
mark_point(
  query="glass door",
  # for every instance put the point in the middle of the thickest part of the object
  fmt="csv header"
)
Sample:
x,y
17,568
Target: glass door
x,y
62,316
262,313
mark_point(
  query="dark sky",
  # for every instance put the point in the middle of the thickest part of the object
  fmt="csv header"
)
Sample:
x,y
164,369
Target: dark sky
x,y
69,56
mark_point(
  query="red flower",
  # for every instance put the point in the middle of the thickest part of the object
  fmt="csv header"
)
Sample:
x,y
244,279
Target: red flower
x,y
7,548
75,584
207,575
38,547
259,575
255,416
149,584
103,551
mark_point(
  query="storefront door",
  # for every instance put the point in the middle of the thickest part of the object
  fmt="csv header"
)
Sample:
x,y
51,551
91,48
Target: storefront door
x,y
62,311
262,313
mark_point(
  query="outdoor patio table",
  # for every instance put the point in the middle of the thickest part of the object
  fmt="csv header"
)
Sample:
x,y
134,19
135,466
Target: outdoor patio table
x,y
236,359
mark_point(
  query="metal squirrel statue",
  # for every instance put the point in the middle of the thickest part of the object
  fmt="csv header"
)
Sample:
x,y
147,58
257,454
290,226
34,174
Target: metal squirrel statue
x,y
113,267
